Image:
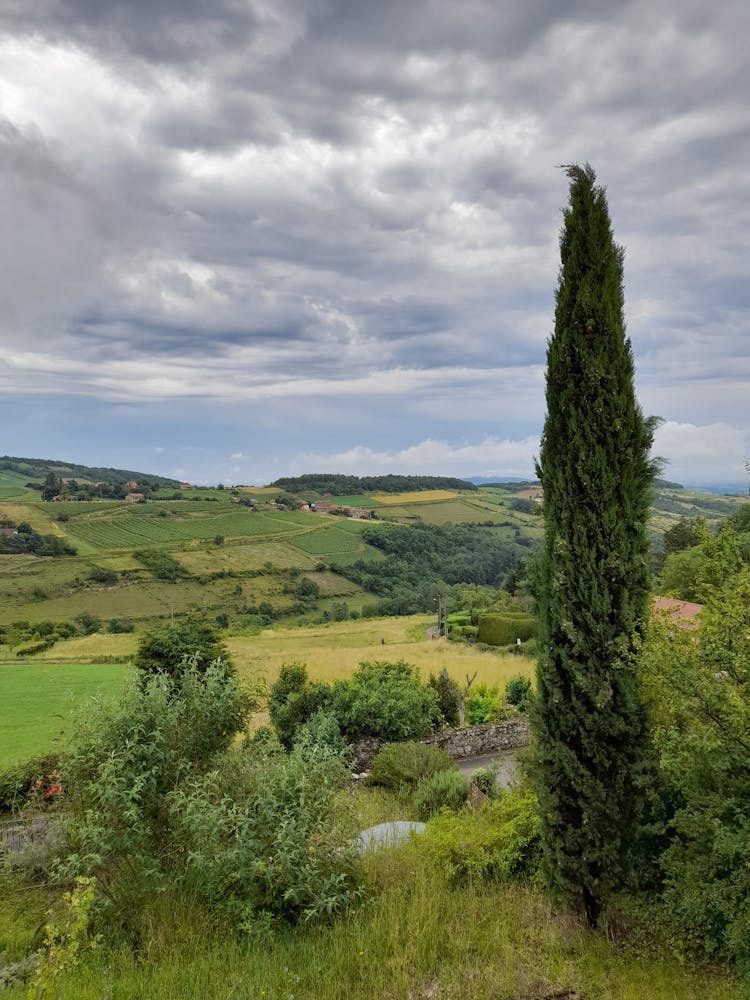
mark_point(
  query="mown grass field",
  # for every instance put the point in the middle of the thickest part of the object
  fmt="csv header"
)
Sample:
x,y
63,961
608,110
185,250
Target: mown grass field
x,y
38,698
13,485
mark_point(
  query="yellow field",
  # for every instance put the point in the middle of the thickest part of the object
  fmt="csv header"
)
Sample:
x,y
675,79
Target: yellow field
x,y
39,519
416,496
89,648
332,652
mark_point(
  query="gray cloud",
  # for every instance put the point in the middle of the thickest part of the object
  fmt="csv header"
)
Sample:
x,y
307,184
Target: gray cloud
x,y
283,198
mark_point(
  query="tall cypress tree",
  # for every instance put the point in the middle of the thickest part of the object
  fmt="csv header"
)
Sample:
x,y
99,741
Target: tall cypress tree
x,y
594,581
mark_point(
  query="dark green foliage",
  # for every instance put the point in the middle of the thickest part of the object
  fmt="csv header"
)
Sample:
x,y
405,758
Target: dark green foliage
x,y
700,698
161,564
116,626
422,561
518,692
504,628
597,475
101,575
387,701
293,700
340,485
404,765
443,790
448,696
190,640
87,623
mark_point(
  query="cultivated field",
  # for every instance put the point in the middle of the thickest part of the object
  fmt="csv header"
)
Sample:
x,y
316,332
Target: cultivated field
x,y
414,496
333,651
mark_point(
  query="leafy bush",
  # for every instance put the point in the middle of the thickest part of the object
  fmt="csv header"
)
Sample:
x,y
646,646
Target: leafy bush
x,y
400,765
485,778
124,766
518,692
169,649
446,789
496,843
293,700
483,704
321,729
260,840
448,696
162,565
387,701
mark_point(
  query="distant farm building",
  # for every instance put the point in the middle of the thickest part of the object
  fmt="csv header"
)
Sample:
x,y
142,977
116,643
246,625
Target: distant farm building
x,y
323,506
7,532
131,485
135,497
185,486
535,493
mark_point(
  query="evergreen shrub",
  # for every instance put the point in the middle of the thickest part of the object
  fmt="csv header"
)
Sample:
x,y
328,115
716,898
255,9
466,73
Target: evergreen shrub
x,y
443,790
501,629
404,765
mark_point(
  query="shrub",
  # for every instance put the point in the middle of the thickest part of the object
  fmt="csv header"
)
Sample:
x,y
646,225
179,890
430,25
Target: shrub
x,y
168,650
116,626
400,765
101,575
518,692
321,729
126,762
446,789
260,840
387,701
293,700
17,781
485,778
162,565
483,704
448,696
496,843
505,628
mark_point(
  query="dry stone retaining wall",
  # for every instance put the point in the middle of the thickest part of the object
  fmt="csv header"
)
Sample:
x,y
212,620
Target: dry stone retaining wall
x,y
471,741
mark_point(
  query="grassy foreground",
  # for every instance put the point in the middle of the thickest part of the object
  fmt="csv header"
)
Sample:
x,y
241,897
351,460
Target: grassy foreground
x,y
415,938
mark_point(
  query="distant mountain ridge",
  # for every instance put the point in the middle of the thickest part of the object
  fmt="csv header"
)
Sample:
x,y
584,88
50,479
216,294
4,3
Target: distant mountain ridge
x,y
39,468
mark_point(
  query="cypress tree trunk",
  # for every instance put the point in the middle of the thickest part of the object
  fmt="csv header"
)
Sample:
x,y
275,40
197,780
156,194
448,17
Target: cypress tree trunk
x,y
594,582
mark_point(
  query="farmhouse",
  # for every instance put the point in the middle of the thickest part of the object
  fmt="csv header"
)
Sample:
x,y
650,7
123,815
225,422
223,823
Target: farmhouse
x,y
535,493
185,486
7,532
324,506
135,497
130,485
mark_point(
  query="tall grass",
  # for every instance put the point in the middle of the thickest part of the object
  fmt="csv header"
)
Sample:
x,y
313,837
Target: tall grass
x,y
415,938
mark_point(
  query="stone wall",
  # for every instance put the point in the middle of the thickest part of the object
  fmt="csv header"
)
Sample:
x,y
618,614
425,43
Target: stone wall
x,y
471,741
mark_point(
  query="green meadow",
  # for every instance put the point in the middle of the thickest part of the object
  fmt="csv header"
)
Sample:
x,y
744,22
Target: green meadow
x,y
38,698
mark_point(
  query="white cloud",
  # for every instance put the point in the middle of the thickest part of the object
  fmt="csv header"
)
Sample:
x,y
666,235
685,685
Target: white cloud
x,y
702,454
490,457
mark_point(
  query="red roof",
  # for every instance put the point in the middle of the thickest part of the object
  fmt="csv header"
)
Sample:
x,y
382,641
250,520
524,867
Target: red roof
x,y
683,613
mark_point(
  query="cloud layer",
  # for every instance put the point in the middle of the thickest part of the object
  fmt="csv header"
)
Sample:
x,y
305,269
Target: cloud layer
x,y
337,221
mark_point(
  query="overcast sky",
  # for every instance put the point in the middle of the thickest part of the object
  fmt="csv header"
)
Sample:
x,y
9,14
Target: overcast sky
x,y
247,238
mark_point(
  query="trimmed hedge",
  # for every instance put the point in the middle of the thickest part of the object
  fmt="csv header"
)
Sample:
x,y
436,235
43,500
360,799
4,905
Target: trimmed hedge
x,y
503,629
